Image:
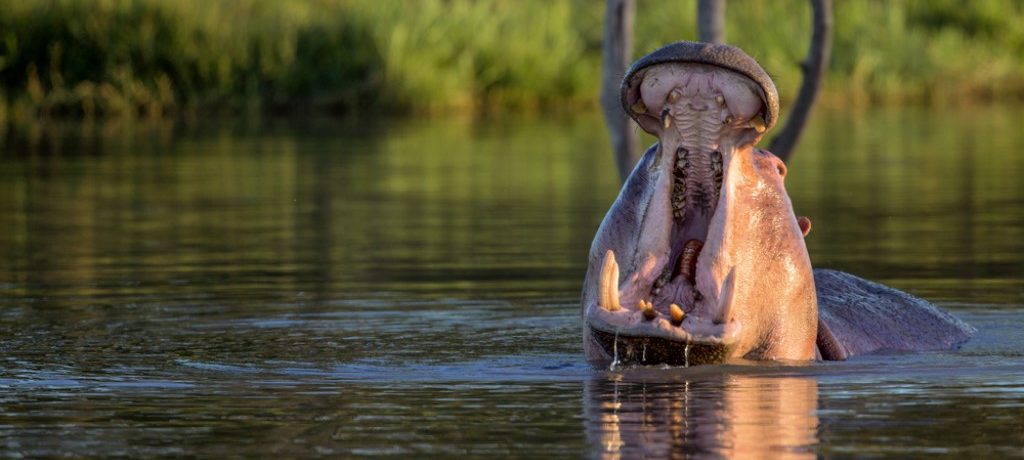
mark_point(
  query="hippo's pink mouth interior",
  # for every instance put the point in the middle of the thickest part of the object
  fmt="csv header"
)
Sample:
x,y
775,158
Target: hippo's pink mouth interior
x,y
673,301
656,312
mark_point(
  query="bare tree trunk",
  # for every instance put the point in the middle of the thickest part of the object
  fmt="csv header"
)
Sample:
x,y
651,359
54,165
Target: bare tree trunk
x,y
814,68
711,21
615,56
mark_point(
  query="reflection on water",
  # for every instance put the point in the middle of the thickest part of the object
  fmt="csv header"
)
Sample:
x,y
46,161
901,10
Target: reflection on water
x,y
733,413
411,289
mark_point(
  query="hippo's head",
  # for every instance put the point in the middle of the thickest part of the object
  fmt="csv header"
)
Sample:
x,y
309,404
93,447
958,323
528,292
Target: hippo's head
x,y
701,258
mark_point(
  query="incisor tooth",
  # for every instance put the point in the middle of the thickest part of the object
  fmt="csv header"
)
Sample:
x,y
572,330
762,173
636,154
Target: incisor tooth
x,y
674,95
725,298
649,313
608,285
676,313
720,100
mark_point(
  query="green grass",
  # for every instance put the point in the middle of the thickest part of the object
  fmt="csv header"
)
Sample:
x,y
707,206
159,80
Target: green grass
x,y
158,57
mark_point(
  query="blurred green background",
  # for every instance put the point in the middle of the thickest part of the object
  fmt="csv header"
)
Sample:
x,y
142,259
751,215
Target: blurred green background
x,y
159,57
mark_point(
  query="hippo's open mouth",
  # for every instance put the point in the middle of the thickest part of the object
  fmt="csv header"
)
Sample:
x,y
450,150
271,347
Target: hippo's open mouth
x,y
669,308
671,299
689,264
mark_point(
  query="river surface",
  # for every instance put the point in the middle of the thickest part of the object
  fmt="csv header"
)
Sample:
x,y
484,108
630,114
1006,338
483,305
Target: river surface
x,y
410,289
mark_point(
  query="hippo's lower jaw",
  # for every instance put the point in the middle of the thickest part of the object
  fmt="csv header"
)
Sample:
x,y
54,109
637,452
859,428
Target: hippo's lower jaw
x,y
652,349
670,334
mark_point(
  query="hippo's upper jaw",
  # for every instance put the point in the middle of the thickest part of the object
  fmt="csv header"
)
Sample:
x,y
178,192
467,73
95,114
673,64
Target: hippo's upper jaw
x,y
701,258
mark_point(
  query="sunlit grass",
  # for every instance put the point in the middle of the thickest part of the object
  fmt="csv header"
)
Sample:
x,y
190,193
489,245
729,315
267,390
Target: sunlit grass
x,y
155,57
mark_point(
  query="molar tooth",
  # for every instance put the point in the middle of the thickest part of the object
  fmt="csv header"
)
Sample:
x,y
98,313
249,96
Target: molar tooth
x,y
677,314
716,169
639,107
682,159
679,185
608,285
725,298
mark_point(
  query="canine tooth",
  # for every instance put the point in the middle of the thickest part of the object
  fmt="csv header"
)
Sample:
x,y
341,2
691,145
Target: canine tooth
x,y
666,118
725,298
649,313
608,286
676,313
673,95
757,123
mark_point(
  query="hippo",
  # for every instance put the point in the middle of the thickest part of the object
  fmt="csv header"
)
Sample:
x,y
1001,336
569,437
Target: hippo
x,y
701,259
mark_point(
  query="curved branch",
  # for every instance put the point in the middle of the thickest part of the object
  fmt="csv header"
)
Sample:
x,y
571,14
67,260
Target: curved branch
x,y
813,68
615,56
711,21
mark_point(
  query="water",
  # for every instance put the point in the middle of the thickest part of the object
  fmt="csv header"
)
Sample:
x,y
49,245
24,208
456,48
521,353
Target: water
x,y
410,289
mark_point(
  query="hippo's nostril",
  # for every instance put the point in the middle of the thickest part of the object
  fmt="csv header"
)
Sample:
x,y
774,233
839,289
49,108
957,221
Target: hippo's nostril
x,y
782,169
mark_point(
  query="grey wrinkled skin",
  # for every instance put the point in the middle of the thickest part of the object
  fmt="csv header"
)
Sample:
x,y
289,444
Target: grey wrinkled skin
x,y
857,316
701,259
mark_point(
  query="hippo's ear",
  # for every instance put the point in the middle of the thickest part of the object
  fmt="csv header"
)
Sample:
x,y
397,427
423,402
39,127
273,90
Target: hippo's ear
x,y
634,103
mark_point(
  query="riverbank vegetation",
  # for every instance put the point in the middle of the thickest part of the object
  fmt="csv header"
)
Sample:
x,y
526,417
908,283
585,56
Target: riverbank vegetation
x,y
153,58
